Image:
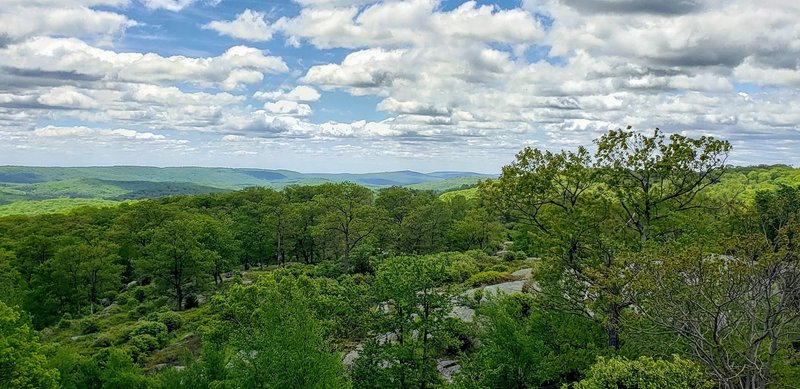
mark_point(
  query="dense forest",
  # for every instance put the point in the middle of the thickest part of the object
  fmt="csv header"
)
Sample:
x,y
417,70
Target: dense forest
x,y
647,263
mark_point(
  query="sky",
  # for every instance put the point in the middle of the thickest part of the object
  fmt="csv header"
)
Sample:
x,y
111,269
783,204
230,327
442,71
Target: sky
x,y
368,85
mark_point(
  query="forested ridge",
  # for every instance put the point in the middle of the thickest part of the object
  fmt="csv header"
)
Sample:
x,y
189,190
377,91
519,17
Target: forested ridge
x,y
646,263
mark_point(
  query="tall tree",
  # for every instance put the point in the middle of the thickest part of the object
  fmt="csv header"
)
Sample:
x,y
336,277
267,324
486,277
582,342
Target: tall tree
x,y
177,259
277,338
413,321
349,214
654,177
99,271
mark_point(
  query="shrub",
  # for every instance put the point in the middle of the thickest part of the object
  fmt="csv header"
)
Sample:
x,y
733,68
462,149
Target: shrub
x,y
141,345
644,373
191,302
171,320
462,268
125,299
89,326
102,341
500,267
153,328
488,278
515,256
139,294
64,323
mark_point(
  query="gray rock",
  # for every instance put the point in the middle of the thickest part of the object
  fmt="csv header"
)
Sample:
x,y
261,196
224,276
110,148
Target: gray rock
x,y
447,369
522,273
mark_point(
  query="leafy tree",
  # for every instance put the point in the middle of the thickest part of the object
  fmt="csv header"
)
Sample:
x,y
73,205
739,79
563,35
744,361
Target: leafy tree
x,y
22,364
349,215
734,310
477,230
522,347
218,239
176,257
11,290
653,177
414,323
65,276
99,271
557,198
645,373
278,342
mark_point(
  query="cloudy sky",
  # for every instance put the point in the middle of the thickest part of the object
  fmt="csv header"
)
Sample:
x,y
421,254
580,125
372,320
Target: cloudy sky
x,y
368,85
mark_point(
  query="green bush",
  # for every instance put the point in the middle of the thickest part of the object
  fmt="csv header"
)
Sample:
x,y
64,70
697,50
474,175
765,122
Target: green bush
x,y
170,319
125,299
488,278
141,345
89,326
64,323
515,256
645,373
102,341
139,294
500,267
153,328
462,268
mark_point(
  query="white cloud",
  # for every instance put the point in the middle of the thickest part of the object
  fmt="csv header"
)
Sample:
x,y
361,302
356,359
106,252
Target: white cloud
x,y
80,131
394,23
301,93
239,65
249,25
64,96
286,107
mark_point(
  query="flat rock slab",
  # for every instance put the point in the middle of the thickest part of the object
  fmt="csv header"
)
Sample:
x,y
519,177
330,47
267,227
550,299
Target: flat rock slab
x,y
523,273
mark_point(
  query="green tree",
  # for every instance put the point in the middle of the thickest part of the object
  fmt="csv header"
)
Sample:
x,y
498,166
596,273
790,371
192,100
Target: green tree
x,y
349,215
277,339
22,364
522,347
12,292
99,271
413,321
176,257
654,177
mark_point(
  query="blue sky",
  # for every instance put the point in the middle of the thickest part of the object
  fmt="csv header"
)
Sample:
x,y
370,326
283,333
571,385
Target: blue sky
x,y
368,85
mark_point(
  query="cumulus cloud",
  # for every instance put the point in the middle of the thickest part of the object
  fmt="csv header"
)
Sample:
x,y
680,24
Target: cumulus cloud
x,y
239,65
119,133
393,24
468,83
286,107
248,25
301,93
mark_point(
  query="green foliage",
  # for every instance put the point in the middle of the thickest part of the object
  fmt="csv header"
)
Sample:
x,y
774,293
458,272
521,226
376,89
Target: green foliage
x,y
490,277
522,347
414,321
89,326
271,284
171,320
22,364
645,373
156,330
279,342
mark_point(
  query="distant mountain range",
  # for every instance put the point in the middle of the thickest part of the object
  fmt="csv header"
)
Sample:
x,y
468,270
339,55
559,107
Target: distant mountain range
x,y
26,189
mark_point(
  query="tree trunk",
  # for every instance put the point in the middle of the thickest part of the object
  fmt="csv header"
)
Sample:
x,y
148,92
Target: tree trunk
x,y
613,327
179,297
346,253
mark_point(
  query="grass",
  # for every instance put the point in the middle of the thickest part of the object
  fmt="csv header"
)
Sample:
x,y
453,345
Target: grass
x,y
470,193
62,205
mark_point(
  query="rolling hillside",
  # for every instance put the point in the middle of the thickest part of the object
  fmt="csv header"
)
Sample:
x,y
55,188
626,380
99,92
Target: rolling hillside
x,y
32,190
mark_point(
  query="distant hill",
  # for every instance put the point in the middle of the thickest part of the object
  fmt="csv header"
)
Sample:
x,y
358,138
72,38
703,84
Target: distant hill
x,y
31,190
